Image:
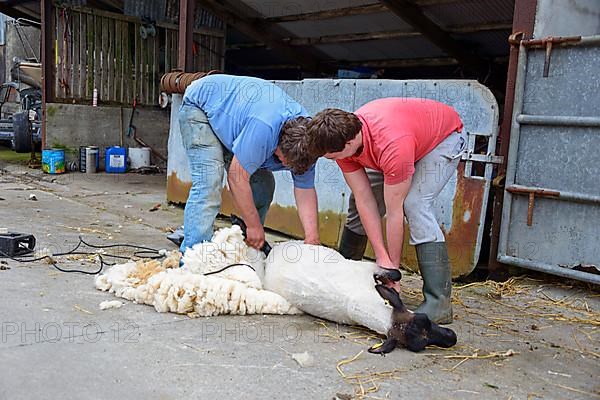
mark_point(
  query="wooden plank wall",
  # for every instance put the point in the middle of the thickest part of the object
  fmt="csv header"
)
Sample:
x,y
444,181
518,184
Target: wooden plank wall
x,y
105,51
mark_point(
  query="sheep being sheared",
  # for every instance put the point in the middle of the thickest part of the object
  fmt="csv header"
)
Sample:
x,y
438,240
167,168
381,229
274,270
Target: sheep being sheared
x,y
319,281
314,279
205,285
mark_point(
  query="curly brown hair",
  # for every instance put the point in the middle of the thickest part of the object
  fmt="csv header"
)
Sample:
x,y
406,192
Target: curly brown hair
x,y
331,129
294,143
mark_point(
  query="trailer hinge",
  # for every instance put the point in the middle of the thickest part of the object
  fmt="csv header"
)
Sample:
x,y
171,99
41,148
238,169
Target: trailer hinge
x,y
485,158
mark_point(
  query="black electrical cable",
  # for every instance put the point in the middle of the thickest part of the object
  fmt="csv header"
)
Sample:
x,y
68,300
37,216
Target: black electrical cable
x,y
155,255
108,246
229,266
144,250
55,264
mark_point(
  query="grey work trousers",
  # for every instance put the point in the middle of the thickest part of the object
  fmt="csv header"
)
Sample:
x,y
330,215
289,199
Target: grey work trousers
x,y
432,173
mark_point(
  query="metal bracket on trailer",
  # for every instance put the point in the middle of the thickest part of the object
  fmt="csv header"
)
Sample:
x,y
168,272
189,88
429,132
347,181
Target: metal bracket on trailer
x,y
485,158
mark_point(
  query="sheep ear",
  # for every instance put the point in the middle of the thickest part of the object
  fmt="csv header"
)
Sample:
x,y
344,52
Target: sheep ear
x,y
391,296
385,347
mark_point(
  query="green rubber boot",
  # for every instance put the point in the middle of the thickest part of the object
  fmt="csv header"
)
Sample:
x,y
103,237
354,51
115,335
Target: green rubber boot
x,y
352,245
437,282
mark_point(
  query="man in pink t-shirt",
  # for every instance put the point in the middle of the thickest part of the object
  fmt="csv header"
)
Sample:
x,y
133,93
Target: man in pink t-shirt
x,y
396,154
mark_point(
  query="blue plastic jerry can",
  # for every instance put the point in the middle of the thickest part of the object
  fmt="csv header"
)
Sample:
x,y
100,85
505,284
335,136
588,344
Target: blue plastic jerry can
x,y
116,160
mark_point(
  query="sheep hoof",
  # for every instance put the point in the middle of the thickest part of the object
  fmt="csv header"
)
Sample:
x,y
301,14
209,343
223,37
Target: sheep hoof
x,y
386,276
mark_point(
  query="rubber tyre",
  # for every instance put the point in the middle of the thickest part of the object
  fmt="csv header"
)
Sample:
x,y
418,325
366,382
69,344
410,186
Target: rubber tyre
x,y
22,130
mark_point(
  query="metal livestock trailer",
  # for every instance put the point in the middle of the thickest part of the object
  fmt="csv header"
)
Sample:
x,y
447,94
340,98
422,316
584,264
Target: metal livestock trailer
x,y
462,204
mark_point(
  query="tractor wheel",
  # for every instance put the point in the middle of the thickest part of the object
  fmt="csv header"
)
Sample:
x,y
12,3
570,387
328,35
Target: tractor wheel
x,y
22,130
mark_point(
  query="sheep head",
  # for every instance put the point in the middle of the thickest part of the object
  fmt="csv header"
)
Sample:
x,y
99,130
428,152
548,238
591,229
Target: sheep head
x,y
414,331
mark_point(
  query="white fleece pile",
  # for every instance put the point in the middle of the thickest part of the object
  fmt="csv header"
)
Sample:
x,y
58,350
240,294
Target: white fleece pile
x,y
237,290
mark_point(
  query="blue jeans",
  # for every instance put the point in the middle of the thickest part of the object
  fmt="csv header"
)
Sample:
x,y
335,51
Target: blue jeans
x,y
208,160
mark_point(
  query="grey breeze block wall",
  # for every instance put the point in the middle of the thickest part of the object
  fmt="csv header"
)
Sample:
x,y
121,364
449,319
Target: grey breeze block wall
x,y
72,125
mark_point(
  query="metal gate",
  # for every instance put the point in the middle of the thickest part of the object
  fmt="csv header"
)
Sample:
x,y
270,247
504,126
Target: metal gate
x,y
551,212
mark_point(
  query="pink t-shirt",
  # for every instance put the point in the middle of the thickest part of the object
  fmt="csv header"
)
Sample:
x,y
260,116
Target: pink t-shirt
x,y
397,132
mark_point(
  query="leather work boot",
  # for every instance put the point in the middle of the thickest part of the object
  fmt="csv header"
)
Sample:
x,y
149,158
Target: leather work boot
x,y
437,282
352,245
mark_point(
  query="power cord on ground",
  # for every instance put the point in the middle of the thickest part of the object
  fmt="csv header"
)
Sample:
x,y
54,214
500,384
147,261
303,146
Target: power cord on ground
x,y
142,252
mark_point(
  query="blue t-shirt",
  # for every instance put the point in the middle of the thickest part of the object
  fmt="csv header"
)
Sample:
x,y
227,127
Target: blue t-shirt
x,y
247,115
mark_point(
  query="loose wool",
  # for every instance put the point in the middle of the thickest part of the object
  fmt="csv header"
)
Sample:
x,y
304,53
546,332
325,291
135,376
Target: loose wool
x,y
236,290
105,305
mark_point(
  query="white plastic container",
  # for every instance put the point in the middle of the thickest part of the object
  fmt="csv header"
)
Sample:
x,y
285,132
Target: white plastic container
x,y
139,157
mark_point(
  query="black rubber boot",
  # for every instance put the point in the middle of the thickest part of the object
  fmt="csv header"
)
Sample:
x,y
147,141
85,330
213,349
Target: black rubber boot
x,y
437,282
352,245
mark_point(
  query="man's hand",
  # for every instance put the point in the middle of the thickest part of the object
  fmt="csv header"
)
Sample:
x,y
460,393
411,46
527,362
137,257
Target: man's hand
x,y
255,236
385,262
312,240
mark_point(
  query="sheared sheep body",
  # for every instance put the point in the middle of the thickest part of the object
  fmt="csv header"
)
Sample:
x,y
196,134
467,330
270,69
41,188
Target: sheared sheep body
x,y
321,282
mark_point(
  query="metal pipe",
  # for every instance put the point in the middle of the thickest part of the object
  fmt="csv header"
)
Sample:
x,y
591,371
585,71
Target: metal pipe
x,y
588,40
562,41
515,134
587,122
565,196
551,269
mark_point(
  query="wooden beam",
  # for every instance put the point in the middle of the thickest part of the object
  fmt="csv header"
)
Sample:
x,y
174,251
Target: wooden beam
x,y
491,26
414,62
112,6
185,59
349,11
406,63
16,12
356,37
352,37
389,63
48,62
412,14
261,31
428,3
330,14
10,3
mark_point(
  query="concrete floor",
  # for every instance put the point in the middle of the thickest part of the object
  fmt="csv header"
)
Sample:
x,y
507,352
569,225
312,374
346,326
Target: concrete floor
x,y
56,343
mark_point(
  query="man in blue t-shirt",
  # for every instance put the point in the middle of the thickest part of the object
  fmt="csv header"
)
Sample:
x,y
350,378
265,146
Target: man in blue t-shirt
x,y
249,127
